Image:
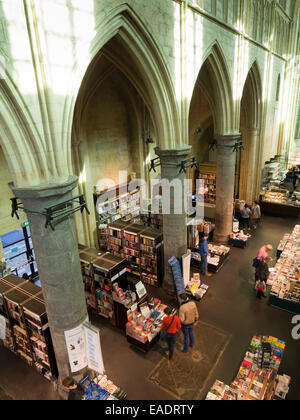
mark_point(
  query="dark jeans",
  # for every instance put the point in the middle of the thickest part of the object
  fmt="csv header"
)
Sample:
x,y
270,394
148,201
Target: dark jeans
x,y
188,335
260,293
203,265
245,223
171,340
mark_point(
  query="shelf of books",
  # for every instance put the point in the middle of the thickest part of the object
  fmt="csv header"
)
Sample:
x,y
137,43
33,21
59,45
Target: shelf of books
x,y
151,256
258,377
121,204
285,277
132,248
27,330
99,274
115,241
86,260
207,173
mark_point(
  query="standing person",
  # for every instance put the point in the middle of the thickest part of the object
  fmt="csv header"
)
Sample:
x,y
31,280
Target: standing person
x,y
189,316
256,214
76,391
203,250
245,216
260,287
262,254
170,325
263,270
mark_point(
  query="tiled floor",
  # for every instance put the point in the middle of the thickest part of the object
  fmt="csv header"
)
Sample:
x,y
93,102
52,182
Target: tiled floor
x,y
230,305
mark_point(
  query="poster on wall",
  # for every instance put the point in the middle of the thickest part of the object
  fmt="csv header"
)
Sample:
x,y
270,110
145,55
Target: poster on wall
x,y
93,349
2,328
75,341
186,267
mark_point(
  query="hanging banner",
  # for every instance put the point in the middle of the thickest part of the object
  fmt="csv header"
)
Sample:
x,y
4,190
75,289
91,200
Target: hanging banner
x,y
93,349
2,328
84,348
186,267
75,341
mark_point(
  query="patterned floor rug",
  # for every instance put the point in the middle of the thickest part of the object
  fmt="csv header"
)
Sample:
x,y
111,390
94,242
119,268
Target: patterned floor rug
x,y
187,374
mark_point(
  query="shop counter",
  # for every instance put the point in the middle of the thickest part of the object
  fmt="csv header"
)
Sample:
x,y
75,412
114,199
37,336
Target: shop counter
x,y
277,209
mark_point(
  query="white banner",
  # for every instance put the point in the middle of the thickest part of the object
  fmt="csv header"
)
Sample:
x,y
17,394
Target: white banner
x,y
186,268
93,349
75,341
2,328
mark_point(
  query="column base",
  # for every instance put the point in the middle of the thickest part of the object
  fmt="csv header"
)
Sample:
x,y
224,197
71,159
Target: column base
x,y
221,239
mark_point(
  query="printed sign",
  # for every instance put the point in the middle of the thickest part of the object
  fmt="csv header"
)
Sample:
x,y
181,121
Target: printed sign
x,y
2,328
93,349
75,341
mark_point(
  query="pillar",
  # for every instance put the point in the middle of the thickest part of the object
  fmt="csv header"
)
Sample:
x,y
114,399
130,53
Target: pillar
x,y
58,263
174,225
250,178
226,159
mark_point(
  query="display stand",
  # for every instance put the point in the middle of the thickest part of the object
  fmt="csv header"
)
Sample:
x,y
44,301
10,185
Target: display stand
x,y
239,243
285,277
22,305
257,378
151,257
218,258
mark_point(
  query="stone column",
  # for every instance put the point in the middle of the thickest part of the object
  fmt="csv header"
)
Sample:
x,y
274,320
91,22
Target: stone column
x,y
174,225
58,263
226,159
249,177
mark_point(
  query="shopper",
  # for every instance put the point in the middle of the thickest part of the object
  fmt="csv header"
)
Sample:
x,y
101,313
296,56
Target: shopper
x,y
26,277
203,250
76,391
170,327
256,214
263,270
245,217
260,287
262,254
189,316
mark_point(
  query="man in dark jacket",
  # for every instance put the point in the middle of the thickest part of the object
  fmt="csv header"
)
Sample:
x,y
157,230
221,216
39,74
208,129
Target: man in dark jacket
x,y
263,270
203,250
76,391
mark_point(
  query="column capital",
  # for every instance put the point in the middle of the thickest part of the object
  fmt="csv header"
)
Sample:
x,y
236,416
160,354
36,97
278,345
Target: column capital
x,y
173,153
228,139
44,191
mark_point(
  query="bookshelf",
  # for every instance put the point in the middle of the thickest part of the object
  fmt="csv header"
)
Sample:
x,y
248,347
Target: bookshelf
x,y
132,248
207,172
27,333
115,238
120,205
151,256
99,274
86,260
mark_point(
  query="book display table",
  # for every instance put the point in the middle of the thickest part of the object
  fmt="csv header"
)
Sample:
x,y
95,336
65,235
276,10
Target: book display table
x,y
239,240
257,378
285,278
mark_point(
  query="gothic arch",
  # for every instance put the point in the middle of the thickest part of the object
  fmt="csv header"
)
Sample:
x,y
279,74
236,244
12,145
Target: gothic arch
x,y
146,70
214,82
19,138
253,91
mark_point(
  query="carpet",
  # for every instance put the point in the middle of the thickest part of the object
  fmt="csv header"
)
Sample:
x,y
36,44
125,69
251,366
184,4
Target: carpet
x,y
186,375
